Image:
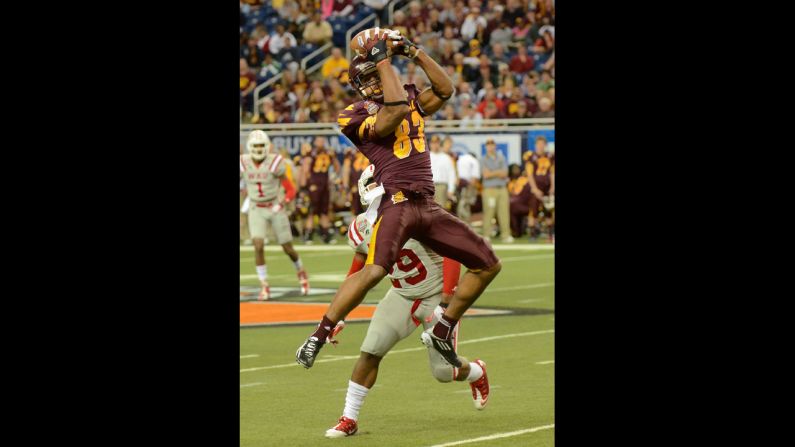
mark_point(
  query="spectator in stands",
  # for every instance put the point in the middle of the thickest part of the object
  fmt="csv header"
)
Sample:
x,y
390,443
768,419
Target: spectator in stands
x,y
471,118
473,25
544,109
341,8
288,55
498,52
485,73
318,31
416,15
263,38
468,180
379,6
287,8
502,35
283,103
434,23
252,54
317,103
447,15
513,11
247,84
450,37
492,111
521,63
521,32
270,68
495,192
544,44
546,82
301,83
432,48
277,40
399,23
268,114
448,113
336,66
444,177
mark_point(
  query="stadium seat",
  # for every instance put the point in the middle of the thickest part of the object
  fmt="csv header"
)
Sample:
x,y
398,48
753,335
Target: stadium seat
x,y
306,49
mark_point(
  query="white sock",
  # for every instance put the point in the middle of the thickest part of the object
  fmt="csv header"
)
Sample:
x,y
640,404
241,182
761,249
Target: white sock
x,y
262,272
354,400
475,372
298,265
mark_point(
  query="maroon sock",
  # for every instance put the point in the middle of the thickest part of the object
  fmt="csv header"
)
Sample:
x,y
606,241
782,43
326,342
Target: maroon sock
x,y
324,328
444,328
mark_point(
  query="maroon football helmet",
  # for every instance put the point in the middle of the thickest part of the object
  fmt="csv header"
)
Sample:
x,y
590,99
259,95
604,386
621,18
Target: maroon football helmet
x,y
363,77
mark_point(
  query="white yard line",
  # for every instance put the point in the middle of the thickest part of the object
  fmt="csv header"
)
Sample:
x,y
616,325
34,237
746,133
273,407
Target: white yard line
x,y
249,356
251,384
496,436
399,351
546,362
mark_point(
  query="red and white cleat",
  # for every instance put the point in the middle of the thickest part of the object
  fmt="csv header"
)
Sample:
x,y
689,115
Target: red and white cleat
x,y
265,293
303,280
480,388
345,427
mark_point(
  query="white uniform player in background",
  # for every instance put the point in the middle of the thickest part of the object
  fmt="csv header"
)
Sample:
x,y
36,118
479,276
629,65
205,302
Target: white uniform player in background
x,y
413,300
263,171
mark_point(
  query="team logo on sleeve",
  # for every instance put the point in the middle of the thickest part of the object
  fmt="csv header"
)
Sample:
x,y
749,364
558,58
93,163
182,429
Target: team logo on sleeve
x,y
399,197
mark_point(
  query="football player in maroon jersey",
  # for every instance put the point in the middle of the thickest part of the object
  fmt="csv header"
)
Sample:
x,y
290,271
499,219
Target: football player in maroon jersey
x,y
387,126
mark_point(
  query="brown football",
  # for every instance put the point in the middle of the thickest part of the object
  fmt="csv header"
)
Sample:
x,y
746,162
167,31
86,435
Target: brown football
x,y
364,40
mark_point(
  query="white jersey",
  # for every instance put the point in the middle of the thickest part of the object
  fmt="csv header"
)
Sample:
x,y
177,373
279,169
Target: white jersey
x,y
418,271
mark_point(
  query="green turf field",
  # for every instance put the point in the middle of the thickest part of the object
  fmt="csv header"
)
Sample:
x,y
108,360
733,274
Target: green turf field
x,y
282,404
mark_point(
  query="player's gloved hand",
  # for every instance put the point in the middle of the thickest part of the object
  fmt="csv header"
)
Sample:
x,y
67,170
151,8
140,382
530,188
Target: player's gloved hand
x,y
405,47
276,208
337,329
366,175
377,51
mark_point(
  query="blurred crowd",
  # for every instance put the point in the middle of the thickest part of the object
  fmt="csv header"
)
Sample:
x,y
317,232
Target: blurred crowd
x,y
499,53
499,200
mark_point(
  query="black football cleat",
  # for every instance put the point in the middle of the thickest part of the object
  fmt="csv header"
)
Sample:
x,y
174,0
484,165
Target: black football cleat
x,y
308,351
444,347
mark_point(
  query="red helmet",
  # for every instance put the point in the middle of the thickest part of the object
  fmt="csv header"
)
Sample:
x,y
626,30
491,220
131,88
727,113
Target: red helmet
x,y
363,77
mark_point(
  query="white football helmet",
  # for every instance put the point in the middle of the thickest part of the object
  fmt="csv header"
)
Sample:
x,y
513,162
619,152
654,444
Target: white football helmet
x,y
359,232
258,144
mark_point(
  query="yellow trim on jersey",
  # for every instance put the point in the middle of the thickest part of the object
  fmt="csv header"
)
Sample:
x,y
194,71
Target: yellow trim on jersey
x,y
370,120
371,249
343,121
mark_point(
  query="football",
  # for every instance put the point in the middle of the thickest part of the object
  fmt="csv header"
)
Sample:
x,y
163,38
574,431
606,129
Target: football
x,y
364,40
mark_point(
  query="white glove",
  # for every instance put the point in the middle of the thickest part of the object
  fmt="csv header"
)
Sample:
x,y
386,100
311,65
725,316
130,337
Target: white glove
x,y
367,174
276,208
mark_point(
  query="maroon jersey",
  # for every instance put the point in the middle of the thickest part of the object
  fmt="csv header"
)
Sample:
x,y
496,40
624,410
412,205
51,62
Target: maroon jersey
x,y
319,164
541,167
401,159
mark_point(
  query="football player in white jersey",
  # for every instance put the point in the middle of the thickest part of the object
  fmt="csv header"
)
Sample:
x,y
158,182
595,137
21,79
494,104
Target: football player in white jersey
x,y
413,300
264,173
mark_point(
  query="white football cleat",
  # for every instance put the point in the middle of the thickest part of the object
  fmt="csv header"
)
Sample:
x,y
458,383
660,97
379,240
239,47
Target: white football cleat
x,y
265,293
345,427
480,388
303,280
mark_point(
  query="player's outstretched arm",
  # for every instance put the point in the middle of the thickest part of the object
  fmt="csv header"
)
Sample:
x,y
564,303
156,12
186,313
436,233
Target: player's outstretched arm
x,y
395,104
434,97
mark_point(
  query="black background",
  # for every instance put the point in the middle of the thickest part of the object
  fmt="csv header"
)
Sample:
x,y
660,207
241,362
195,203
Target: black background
x,y
121,187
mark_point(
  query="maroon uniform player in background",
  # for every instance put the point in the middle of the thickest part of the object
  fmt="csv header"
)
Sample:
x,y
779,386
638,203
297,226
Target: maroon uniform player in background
x,y
387,126
315,177
352,167
540,171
